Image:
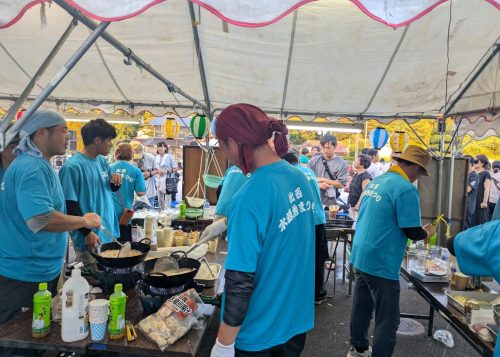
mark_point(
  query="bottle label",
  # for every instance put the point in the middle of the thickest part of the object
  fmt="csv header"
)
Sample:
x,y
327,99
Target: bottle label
x,y
41,316
117,316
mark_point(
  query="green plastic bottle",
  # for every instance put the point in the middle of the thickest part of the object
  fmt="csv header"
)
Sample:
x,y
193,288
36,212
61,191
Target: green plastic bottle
x,y
433,240
117,306
182,210
41,312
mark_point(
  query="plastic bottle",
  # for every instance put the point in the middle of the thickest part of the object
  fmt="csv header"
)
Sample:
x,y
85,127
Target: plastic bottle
x,y
41,312
182,210
117,306
75,308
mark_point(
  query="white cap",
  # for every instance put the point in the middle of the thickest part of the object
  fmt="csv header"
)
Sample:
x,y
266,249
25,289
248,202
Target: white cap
x,y
76,272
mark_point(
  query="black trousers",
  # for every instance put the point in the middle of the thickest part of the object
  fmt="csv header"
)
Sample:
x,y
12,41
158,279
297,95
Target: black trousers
x,y
292,348
321,256
17,294
382,295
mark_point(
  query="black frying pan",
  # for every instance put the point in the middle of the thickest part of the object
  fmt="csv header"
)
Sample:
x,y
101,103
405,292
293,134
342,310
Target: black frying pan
x,y
160,280
126,261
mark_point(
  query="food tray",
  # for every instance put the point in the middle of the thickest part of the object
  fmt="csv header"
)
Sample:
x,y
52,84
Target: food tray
x,y
485,299
209,283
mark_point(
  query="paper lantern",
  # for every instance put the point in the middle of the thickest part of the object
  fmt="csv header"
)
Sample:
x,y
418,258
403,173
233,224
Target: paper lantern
x,y
199,126
172,128
399,142
214,123
379,137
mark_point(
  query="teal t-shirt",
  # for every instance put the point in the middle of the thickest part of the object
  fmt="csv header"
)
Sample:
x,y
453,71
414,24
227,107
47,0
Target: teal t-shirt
x,y
30,188
319,213
2,172
477,250
271,222
389,203
233,180
132,181
86,181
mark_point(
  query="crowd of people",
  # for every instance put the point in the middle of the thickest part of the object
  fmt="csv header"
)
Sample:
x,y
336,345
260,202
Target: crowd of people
x,y
272,207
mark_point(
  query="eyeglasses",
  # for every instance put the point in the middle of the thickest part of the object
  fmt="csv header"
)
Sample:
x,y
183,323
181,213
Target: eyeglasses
x,y
474,161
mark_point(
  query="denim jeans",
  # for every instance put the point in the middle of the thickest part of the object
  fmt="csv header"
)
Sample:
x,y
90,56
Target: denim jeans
x,y
372,293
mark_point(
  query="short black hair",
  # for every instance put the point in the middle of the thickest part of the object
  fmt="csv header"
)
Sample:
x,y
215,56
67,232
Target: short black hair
x,y
97,128
304,151
291,157
484,160
164,145
364,151
328,138
372,152
365,160
318,149
496,165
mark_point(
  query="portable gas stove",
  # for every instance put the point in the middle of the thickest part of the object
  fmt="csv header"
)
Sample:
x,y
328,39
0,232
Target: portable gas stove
x,y
107,277
152,298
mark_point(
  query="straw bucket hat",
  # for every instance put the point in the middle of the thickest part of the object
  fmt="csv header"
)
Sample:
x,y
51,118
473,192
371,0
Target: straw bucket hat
x,y
416,155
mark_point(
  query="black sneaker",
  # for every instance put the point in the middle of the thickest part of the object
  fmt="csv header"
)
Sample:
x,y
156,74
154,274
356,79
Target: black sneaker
x,y
320,298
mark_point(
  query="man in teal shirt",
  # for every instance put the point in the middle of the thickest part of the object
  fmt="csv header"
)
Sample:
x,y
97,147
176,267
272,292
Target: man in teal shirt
x,y
33,214
88,184
389,214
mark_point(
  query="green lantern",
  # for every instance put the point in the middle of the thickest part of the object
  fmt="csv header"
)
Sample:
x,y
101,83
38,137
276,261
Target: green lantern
x,y
200,125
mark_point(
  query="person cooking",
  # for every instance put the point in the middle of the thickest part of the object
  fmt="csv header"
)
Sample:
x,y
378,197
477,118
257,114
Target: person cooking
x,y
132,182
88,184
33,233
477,250
389,214
269,291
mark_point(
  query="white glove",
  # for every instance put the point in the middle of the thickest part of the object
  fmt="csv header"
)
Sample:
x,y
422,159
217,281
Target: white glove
x,y
220,350
213,230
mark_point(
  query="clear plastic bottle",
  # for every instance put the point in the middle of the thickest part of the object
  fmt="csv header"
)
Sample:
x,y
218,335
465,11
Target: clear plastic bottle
x,y
75,308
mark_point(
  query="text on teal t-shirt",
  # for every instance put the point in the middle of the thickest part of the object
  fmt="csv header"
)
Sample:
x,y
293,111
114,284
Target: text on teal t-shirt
x,y
389,204
30,188
319,213
233,180
132,181
271,225
87,181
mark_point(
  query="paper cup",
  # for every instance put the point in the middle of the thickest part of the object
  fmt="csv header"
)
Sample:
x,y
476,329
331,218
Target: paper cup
x,y
461,281
98,330
98,311
212,246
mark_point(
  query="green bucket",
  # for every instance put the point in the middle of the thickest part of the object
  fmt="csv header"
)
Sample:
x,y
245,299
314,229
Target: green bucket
x,y
212,181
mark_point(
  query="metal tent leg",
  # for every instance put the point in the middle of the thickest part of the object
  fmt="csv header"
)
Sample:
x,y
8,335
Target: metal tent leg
x,y
15,107
12,132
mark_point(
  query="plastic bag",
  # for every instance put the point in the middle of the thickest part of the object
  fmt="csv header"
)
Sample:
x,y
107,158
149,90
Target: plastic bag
x,y
173,320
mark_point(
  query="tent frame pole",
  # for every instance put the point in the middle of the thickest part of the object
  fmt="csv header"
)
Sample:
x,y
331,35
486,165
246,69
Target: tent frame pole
x,y
36,77
127,52
201,66
289,61
13,131
466,88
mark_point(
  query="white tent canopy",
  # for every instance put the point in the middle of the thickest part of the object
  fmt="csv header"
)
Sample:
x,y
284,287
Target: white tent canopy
x,y
327,58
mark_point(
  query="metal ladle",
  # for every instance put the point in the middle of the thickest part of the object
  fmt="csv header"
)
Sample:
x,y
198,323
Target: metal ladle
x,y
124,248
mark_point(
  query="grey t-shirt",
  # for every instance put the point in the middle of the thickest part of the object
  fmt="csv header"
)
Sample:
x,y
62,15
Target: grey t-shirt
x,y
339,171
148,162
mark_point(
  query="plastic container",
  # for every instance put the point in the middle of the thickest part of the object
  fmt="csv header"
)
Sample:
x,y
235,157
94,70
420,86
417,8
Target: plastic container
x,y
117,307
75,308
41,312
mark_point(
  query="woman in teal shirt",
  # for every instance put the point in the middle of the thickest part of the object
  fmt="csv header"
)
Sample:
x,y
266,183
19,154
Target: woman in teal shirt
x,y
132,181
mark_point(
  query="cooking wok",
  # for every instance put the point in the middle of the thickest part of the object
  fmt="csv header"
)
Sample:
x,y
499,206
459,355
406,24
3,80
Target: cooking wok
x,y
124,262
161,280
